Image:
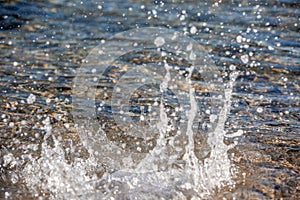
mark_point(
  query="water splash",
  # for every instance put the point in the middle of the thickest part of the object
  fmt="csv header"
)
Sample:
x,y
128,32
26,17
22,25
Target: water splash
x,y
52,174
171,169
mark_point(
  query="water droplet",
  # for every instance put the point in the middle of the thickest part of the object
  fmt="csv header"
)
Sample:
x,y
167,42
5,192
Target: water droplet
x,y
259,110
31,99
245,58
239,39
193,30
159,41
11,124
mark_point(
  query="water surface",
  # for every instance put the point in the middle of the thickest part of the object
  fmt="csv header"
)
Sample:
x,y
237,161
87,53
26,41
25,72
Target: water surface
x,y
43,43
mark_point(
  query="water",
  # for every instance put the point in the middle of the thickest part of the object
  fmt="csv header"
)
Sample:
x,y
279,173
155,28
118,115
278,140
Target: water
x,y
250,151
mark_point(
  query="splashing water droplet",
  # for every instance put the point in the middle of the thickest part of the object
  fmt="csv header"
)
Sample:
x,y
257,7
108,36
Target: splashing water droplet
x,y
31,99
172,167
159,41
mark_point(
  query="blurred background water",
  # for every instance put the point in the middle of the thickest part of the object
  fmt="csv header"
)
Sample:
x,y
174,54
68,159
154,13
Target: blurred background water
x,y
43,42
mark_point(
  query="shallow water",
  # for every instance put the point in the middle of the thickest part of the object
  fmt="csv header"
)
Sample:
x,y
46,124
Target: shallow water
x,y
44,43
